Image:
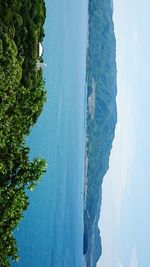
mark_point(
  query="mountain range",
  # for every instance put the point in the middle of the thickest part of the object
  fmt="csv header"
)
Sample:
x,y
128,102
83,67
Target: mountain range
x,y
101,119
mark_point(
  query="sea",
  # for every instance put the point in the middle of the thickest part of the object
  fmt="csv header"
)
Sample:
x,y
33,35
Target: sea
x,y
51,232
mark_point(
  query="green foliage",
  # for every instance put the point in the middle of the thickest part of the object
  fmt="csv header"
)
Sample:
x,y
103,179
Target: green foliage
x,y
22,96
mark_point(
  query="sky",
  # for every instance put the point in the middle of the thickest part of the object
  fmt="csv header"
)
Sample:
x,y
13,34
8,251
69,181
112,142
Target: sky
x,y
125,215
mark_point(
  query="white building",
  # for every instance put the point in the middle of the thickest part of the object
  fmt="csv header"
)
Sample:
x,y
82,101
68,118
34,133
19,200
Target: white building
x,y
40,49
39,64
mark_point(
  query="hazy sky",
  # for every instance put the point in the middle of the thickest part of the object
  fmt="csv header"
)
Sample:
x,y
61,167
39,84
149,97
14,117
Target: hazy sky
x,y
125,216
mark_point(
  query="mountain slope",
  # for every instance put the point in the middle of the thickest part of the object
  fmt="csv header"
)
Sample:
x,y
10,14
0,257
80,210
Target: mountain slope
x,y
101,118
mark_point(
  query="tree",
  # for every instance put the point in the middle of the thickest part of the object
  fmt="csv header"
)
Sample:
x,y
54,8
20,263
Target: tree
x,y
22,96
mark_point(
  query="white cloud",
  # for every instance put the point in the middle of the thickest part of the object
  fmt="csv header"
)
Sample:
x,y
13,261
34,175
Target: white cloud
x,y
117,185
135,37
123,152
134,258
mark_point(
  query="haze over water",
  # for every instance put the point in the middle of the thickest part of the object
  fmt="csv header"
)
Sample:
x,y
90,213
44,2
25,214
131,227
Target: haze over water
x,y
51,233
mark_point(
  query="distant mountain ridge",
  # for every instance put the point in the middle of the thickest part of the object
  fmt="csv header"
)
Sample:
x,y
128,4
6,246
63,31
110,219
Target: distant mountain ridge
x,y
101,119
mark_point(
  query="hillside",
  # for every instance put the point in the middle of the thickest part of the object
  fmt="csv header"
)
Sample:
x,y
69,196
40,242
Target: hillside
x,y
101,118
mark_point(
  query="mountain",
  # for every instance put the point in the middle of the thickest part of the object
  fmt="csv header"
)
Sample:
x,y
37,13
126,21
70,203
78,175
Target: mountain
x,y
101,119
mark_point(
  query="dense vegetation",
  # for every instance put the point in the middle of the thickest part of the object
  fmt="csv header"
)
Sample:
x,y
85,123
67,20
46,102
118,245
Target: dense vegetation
x,y
22,96
101,118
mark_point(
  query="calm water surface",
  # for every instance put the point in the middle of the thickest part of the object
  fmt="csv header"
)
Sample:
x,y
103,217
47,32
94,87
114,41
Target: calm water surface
x,y
51,233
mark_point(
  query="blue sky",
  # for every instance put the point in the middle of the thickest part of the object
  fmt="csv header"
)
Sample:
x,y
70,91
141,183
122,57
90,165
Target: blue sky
x,y
125,216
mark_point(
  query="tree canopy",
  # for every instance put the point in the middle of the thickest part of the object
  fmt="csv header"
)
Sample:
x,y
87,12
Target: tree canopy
x,y
22,96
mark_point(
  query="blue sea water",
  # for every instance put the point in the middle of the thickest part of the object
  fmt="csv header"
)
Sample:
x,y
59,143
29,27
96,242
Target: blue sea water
x,y
51,233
